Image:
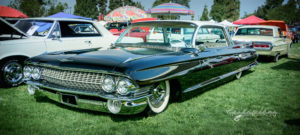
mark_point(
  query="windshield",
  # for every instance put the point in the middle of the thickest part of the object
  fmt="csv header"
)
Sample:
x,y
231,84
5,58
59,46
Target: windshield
x,y
255,31
34,27
158,34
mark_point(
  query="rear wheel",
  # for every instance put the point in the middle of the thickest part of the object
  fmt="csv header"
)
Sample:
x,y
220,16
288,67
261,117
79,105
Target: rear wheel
x,y
276,58
11,73
159,99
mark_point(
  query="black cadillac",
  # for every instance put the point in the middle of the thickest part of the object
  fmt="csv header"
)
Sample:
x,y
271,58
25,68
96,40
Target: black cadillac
x,y
140,73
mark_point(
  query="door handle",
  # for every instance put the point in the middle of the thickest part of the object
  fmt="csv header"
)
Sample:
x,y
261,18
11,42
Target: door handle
x,y
89,42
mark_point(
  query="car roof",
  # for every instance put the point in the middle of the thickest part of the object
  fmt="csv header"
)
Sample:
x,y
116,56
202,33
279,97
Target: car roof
x,y
199,23
56,19
258,26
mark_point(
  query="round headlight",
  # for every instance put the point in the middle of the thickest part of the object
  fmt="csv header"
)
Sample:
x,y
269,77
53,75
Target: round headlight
x,y
36,73
27,71
108,84
124,85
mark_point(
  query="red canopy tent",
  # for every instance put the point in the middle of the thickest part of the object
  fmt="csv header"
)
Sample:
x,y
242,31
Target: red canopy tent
x,y
11,12
251,20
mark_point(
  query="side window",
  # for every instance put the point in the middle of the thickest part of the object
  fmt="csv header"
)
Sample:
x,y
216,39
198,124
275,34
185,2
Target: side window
x,y
211,37
78,29
280,32
241,32
56,32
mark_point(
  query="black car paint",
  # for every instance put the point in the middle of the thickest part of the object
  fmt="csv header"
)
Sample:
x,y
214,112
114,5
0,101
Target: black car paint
x,y
151,68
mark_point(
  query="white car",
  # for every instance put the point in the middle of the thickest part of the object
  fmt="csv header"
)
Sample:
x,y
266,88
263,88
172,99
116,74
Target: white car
x,y
34,36
266,40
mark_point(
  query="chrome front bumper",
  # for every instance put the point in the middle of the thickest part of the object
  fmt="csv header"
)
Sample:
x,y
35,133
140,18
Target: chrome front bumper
x,y
90,101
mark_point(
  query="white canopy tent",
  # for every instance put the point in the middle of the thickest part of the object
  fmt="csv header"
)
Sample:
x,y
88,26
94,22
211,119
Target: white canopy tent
x,y
228,24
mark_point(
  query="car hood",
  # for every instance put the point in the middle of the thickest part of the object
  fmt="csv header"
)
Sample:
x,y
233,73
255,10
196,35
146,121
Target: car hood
x,y
253,38
116,60
7,28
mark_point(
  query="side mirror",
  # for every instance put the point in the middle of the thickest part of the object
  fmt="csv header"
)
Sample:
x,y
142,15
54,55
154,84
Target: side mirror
x,y
55,36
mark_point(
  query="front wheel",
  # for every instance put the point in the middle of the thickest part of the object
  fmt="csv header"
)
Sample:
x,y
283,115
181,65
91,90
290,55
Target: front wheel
x,y
159,99
11,73
238,75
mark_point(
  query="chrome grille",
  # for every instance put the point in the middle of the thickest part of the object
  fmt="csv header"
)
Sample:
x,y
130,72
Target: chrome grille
x,y
72,79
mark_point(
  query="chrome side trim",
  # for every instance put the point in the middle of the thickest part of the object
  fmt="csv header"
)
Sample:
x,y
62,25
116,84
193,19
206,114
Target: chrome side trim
x,y
215,79
131,104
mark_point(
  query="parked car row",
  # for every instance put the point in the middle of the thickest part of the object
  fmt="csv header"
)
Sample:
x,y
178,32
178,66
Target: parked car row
x,y
140,73
81,64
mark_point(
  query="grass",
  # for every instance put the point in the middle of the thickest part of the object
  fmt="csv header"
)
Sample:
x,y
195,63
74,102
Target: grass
x,y
264,101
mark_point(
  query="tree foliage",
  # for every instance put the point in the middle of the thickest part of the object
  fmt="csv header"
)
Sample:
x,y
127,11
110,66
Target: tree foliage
x,y
262,11
204,16
102,4
113,4
225,9
32,8
275,10
86,8
246,15
38,8
60,7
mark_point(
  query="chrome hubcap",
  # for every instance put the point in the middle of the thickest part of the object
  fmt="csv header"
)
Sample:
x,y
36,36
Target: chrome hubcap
x,y
158,95
13,72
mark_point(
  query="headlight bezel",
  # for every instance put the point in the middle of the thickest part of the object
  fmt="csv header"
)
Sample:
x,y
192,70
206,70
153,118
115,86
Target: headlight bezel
x,y
106,80
36,73
27,71
124,86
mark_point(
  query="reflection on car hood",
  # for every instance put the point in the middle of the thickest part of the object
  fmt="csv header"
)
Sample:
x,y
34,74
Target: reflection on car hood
x,y
253,38
97,60
7,28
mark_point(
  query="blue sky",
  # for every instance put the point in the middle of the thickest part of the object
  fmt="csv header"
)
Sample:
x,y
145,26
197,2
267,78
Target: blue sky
x,y
197,5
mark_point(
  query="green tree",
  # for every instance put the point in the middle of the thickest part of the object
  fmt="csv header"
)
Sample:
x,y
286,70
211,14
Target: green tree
x,y
287,12
86,8
57,8
246,15
139,5
262,11
32,8
114,4
102,4
274,10
225,9
204,16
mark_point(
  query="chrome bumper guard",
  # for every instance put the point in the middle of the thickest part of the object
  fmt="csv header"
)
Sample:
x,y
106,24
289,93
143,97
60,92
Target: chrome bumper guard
x,y
129,105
